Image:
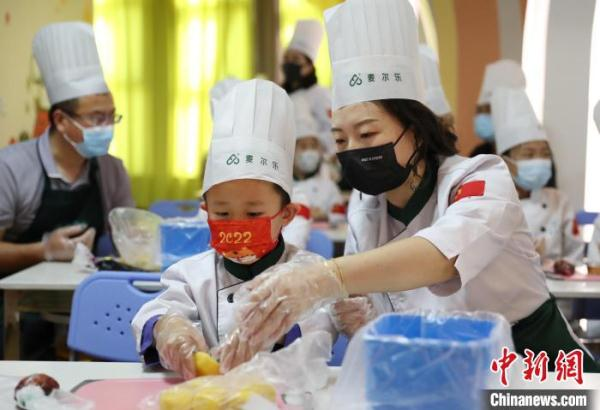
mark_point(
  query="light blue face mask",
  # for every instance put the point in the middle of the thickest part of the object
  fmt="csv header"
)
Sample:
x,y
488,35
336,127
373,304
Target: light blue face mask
x,y
484,127
533,174
96,140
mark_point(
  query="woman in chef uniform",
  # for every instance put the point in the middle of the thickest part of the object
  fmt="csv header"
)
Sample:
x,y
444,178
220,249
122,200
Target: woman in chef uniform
x,y
523,144
426,218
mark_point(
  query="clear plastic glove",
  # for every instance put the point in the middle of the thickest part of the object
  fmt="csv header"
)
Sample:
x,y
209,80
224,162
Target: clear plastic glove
x,y
350,314
59,245
273,302
177,339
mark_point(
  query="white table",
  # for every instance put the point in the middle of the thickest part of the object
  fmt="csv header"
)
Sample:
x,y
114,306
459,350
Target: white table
x,y
46,287
574,289
70,374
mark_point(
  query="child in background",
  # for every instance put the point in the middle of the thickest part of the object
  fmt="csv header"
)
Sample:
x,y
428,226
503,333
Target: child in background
x,y
523,144
247,188
311,175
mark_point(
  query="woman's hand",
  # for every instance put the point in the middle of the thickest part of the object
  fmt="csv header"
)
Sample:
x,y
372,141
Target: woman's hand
x,y
273,302
350,314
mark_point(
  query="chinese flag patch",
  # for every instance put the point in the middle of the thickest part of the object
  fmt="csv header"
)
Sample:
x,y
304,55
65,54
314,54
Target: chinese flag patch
x,y
575,228
303,211
473,188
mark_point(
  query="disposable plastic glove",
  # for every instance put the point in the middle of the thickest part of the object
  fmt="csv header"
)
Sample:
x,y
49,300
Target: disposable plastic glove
x,y
350,314
59,245
177,339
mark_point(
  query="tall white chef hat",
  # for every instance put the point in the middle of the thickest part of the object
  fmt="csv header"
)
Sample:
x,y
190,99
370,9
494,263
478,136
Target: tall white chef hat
x,y
597,115
435,98
514,119
373,45
253,136
68,60
220,90
501,73
307,38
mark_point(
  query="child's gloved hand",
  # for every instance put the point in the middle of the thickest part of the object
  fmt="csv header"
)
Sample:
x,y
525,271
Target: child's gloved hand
x,y
177,339
350,314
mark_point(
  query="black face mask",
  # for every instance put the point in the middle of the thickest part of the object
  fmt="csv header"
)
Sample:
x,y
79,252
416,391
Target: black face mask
x,y
292,73
374,170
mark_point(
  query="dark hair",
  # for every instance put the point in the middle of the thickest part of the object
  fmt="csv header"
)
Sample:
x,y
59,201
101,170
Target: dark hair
x,y
285,197
433,138
68,106
305,82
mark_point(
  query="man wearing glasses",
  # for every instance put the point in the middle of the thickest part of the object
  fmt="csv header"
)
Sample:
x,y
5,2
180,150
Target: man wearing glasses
x,y
57,191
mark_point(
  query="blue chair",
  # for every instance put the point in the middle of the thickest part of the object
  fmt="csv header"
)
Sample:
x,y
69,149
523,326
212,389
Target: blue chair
x,y
319,243
173,209
103,306
586,218
339,351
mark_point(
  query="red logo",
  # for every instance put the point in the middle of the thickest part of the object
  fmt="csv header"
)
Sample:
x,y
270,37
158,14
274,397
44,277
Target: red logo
x,y
473,188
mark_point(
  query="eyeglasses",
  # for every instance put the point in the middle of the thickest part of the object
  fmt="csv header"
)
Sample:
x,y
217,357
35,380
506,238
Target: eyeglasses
x,y
97,119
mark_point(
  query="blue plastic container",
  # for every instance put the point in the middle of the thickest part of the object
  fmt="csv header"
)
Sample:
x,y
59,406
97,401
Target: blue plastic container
x,y
180,239
415,362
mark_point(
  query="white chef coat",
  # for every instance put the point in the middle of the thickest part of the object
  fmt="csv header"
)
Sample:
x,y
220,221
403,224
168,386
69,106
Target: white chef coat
x,y
320,191
550,218
593,254
201,289
297,232
319,101
498,268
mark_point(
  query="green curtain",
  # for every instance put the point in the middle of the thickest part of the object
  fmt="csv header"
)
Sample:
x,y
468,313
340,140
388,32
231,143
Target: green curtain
x,y
160,58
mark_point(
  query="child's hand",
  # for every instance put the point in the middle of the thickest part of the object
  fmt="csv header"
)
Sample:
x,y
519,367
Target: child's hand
x,y
350,314
177,339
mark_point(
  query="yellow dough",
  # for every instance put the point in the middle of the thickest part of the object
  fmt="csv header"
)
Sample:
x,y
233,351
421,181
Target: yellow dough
x,y
206,365
176,399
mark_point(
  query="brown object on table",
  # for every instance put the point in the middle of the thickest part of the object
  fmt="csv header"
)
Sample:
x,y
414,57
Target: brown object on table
x,y
564,268
593,270
47,383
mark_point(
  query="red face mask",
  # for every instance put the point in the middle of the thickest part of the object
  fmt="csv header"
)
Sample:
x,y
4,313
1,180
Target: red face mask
x,y
244,240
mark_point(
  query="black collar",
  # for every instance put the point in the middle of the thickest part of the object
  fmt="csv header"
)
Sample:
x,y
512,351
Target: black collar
x,y
419,198
249,272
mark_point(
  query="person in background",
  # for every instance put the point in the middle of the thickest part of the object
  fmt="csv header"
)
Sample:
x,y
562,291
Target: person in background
x,y
300,76
523,144
501,73
310,177
435,97
247,188
57,191
593,254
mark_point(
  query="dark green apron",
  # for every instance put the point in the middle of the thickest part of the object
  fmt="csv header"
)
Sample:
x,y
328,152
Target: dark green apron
x,y
546,330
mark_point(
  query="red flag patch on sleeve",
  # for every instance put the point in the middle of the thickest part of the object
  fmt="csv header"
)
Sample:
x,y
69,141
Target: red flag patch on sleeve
x,y
473,188
575,228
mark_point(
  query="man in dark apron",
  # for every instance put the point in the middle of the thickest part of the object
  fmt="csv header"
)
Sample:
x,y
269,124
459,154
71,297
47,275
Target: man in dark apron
x,y
56,191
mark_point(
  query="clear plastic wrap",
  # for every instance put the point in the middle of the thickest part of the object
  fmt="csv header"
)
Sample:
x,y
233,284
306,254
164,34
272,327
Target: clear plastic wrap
x,y
136,235
421,360
284,379
181,238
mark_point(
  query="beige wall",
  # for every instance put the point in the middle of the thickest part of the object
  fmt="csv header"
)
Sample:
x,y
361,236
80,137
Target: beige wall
x,y
20,89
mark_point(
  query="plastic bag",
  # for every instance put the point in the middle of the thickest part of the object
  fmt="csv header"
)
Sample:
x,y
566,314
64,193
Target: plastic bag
x,y
283,379
136,235
421,360
57,400
181,238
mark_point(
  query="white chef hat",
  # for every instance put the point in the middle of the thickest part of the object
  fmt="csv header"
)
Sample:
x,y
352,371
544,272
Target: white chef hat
x,y
253,136
68,60
435,98
220,89
501,73
306,125
597,115
307,38
373,45
514,119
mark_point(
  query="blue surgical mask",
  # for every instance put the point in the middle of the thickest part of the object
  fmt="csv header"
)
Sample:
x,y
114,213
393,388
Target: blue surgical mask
x,y
533,174
484,127
96,140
